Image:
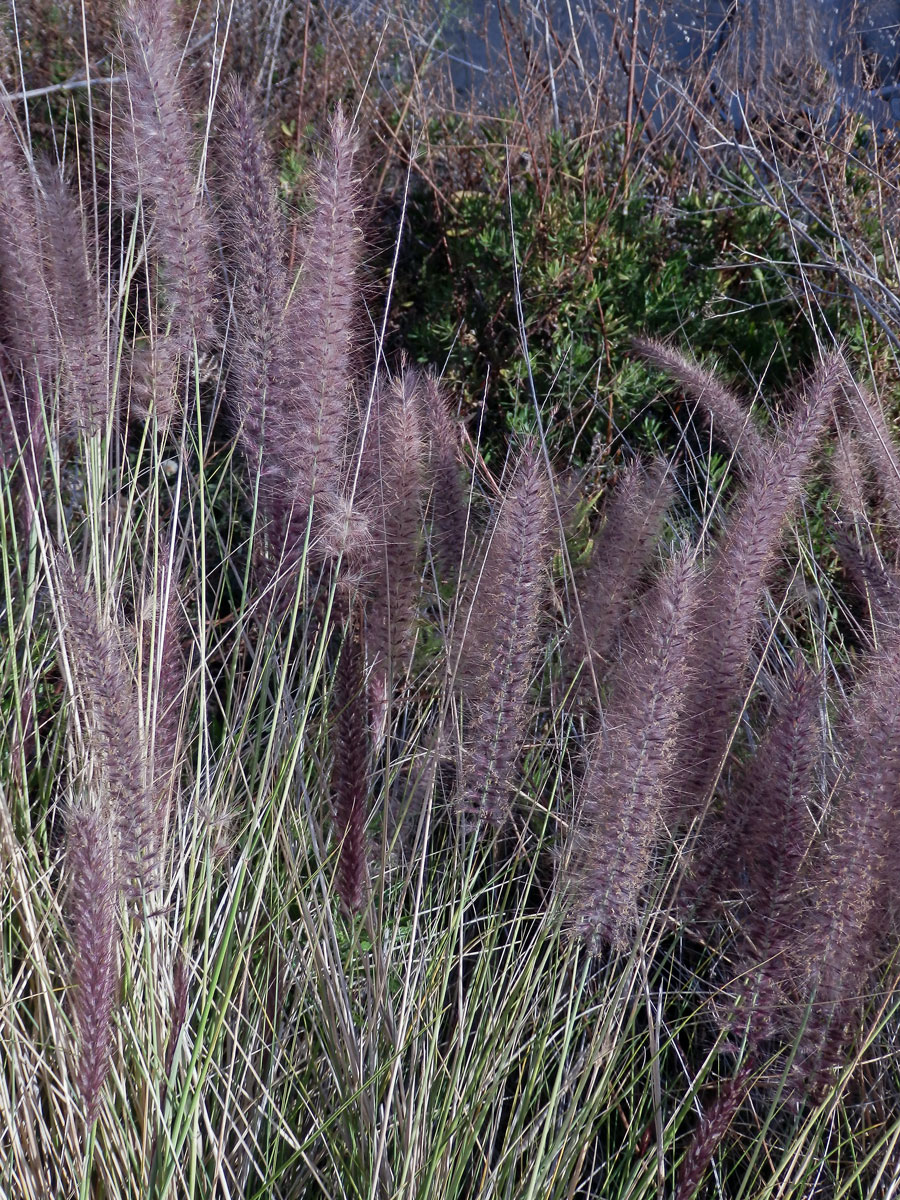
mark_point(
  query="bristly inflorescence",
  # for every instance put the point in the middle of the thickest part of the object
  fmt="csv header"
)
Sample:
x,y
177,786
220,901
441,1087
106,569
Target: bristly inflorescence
x,y
104,681
447,499
629,777
157,161
684,788
292,351
93,925
731,421
623,549
392,496
26,320
79,307
726,619
501,641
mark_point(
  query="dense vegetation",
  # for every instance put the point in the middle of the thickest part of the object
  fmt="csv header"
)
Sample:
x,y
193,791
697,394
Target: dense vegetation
x,y
449,729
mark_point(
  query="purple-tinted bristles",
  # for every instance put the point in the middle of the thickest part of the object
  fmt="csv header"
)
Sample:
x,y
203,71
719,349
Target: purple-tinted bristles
x,y
731,420
395,520
26,318
260,375
105,682
163,627
622,551
322,331
853,891
447,498
157,161
629,773
79,309
502,634
93,927
292,355
736,578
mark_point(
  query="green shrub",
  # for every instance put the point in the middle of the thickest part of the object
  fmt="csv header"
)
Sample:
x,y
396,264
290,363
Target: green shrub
x,y
597,264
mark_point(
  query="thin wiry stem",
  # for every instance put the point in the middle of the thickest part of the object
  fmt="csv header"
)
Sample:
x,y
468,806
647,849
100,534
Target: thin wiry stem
x,y
350,773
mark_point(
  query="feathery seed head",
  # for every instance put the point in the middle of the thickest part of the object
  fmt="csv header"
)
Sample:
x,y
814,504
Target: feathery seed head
x,y
94,931
502,636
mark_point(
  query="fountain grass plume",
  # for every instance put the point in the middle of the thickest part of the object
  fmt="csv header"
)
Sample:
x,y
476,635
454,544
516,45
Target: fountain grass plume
x,y
753,845
292,356
163,625
714,1124
876,443
105,683
26,317
80,309
629,774
323,332
153,379
736,577
852,888
253,229
501,630
767,832
155,160
872,579
447,498
94,930
732,421
623,549
396,524
849,477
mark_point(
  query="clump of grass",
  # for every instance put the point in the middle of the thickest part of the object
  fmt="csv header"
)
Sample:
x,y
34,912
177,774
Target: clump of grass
x,y
267,996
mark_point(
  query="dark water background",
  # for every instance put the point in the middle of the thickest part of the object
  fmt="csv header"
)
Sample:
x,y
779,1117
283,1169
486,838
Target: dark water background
x,y
744,45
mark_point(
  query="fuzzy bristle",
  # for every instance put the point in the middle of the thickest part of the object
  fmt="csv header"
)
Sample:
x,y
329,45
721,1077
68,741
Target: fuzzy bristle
x,y
156,161
502,632
736,578
94,931
105,682
622,551
396,521
629,773
731,420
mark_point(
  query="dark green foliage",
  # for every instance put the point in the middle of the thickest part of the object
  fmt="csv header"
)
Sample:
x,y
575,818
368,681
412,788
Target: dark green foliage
x,y
598,265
